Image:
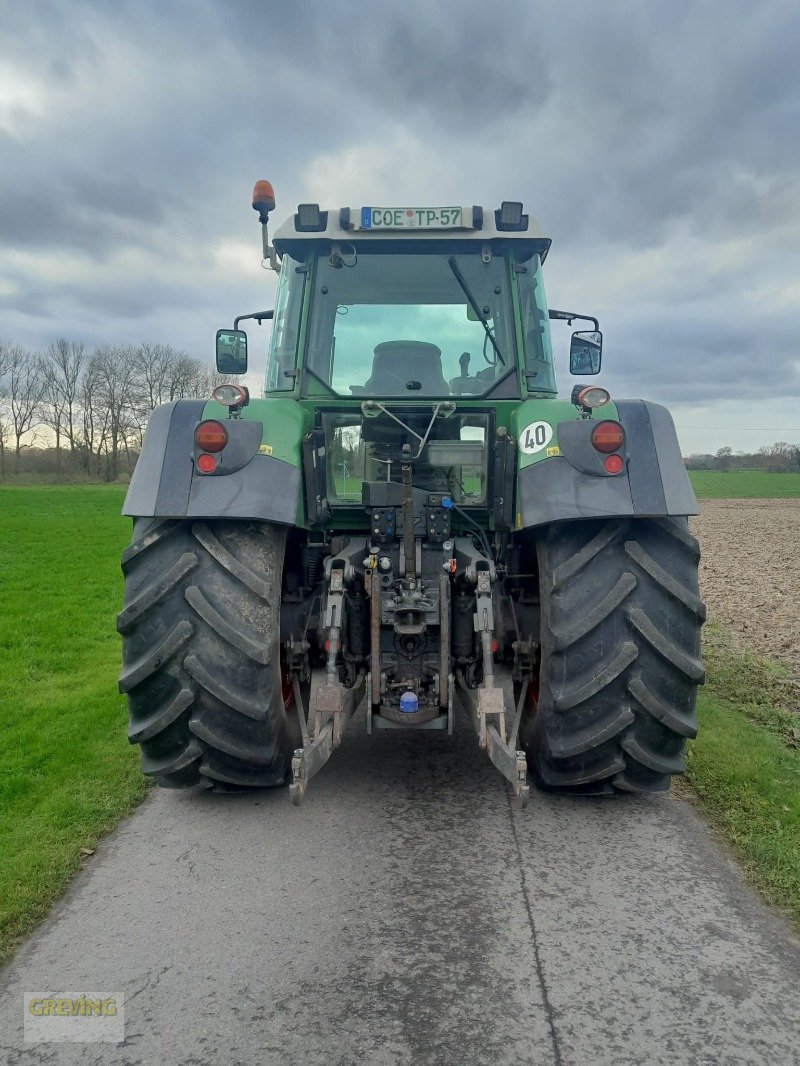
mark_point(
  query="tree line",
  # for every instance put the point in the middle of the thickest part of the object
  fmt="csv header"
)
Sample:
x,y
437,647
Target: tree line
x,y
778,458
71,411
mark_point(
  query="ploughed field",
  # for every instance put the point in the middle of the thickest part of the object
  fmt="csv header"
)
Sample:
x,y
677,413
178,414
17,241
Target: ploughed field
x,y
750,573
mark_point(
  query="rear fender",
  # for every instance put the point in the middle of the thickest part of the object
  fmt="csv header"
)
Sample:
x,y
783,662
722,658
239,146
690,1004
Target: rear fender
x,y
574,483
245,483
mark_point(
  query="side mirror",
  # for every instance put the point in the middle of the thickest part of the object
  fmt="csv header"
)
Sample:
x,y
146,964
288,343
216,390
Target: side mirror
x,y
231,351
585,352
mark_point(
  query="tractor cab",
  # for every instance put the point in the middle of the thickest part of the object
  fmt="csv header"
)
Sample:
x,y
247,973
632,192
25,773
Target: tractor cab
x,y
411,304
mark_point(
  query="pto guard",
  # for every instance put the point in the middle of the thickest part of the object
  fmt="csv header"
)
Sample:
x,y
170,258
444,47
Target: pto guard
x,y
245,484
574,484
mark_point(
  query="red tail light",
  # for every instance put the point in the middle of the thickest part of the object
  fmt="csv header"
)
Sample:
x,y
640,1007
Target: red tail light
x,y
608,437
206,464
211,436
613,464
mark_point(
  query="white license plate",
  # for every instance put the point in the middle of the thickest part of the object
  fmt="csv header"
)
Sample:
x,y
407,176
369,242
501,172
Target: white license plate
x,y
411,218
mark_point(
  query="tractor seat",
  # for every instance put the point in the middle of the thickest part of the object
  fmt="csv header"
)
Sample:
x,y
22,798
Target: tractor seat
x,y
397,362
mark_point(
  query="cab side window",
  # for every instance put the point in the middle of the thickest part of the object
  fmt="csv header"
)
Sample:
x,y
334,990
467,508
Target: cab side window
x,y
536,327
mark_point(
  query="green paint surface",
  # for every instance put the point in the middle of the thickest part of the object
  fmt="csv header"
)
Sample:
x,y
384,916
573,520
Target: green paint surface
x,y
552,411
283,419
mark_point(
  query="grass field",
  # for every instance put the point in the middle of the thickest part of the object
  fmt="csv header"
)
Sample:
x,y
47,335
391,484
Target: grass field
x,y
744,766
67,772
744,483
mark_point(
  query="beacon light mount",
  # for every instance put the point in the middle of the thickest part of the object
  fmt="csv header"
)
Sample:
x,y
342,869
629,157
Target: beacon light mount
x,y
263,201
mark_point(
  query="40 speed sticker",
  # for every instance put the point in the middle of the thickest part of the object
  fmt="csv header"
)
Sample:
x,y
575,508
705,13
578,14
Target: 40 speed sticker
x,y
535,437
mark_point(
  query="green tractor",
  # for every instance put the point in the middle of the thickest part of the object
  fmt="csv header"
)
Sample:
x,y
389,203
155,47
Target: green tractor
x,y
409,518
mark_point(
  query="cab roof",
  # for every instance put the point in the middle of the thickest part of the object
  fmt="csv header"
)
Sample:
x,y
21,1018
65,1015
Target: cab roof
x,y
399,226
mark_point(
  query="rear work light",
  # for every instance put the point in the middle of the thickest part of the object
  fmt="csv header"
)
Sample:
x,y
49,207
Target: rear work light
x,y
230,395
590,396
211,436
608,437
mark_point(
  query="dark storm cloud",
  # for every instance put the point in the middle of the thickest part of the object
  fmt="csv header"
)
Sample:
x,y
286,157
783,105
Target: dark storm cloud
x,y
657,144
458,58
79,210
691,355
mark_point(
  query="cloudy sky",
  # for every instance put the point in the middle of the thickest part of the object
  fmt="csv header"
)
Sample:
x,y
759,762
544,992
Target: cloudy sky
x,y
658,144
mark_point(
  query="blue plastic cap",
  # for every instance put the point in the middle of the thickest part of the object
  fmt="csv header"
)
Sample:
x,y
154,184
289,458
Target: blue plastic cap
x,y
447,503
409,703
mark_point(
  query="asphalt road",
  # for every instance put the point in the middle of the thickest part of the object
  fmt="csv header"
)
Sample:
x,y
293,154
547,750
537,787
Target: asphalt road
x,y
406,914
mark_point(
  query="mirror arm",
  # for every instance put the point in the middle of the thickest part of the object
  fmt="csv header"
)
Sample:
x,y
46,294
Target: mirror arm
x,y
270,255
259,316
567,316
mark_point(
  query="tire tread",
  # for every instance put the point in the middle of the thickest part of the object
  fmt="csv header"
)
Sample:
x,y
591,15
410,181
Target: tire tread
x,y
201,669
620,655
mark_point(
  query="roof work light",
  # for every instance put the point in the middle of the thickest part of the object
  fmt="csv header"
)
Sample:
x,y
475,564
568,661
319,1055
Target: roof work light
x,y
309,219
510,216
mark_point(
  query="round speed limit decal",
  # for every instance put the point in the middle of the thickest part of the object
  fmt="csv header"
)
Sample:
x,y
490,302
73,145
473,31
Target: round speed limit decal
x,y
535,437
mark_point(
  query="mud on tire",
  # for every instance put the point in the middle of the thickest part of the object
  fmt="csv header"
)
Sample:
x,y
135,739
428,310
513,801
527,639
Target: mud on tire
x,y
201,656
620,656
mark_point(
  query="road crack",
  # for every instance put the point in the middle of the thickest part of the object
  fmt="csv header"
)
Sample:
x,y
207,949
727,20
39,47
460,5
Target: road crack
x,y
548,1006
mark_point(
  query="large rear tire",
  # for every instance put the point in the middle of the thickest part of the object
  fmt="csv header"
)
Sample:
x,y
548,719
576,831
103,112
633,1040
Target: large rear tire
x,y
620,655
201,654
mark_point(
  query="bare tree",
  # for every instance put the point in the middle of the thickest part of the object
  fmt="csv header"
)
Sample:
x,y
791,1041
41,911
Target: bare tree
x,y
779,458
112,372
64,363
190,378
96,404
26,386
5,438
155,369
162,374
5,411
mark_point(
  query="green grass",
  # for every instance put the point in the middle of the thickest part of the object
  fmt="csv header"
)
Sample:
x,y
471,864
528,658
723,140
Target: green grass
x,y
744,766
67,772
716,484
348,488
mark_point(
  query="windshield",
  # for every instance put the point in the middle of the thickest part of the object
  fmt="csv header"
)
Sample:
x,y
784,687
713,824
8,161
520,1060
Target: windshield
x,y
405,325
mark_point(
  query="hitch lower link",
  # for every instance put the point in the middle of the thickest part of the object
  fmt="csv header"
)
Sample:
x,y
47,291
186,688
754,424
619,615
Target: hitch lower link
x,y
331,705
487,702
